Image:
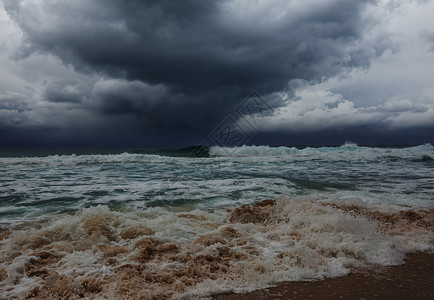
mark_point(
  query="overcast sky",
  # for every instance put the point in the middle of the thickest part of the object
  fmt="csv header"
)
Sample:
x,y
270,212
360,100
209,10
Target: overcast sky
x,y
176,73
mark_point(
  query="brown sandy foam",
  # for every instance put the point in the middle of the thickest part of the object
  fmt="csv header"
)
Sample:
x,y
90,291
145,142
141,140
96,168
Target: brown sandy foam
x,y
415,217
412,280
135,262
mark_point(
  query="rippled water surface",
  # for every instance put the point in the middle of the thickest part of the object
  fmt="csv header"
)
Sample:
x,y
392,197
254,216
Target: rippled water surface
x,y
33,188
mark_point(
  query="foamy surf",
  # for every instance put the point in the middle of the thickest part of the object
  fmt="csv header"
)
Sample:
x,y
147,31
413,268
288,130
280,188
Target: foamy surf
x,y
157,253
346,152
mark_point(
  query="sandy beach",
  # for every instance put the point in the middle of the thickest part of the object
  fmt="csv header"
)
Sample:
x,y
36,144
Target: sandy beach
x,y
412,280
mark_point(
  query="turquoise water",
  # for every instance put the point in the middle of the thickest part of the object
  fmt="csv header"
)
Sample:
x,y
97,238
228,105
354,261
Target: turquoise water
x,y
36,184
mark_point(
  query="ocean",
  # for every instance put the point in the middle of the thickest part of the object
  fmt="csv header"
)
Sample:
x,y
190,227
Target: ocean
x,y
192,222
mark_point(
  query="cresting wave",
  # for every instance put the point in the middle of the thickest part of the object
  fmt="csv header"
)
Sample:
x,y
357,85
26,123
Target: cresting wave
x,y
71,160
158,254
345,152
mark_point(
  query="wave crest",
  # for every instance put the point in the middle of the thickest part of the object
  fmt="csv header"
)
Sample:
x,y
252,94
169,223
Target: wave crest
x,y
348,151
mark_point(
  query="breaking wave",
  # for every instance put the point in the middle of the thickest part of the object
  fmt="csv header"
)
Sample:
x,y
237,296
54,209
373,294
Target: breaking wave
x,y
346,152
158,253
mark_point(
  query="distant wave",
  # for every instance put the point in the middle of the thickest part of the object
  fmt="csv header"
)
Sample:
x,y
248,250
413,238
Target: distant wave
x,y
161,155
348,151
191,151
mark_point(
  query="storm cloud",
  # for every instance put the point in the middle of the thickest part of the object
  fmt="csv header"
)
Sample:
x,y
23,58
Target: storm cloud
x,y
160,69
196,46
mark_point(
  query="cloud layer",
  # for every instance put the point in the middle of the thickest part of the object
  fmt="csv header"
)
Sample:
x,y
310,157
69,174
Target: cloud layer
x,y
166,72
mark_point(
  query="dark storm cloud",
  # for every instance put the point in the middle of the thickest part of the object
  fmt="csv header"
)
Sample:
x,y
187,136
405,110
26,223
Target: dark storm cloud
x,y
194,47
122,97
181,67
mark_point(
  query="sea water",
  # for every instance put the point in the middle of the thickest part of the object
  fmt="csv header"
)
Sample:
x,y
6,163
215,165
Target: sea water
x,y
178,223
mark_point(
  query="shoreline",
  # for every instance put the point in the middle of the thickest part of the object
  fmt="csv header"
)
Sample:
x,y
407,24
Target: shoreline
x,y
411,280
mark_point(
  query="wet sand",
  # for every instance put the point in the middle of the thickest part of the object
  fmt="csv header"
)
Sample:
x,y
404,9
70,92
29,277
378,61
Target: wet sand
x,y
412,280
